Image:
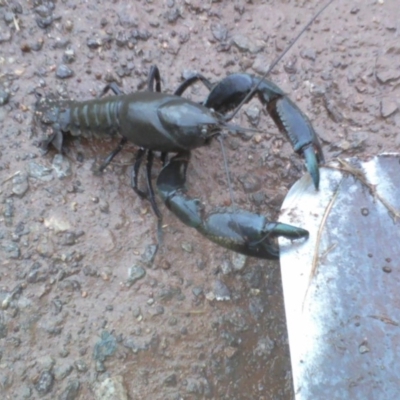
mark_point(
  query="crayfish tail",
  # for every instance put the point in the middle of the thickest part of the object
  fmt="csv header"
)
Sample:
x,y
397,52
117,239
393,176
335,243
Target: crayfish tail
x,y
55,139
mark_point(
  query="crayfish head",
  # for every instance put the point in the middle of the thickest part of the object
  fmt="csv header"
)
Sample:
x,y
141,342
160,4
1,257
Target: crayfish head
x,y
190,124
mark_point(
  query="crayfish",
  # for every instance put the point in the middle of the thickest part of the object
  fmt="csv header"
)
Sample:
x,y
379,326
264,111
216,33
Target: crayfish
x,y
166,123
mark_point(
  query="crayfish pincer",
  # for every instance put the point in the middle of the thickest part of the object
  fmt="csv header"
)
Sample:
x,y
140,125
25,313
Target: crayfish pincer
x,y
238,230
232,90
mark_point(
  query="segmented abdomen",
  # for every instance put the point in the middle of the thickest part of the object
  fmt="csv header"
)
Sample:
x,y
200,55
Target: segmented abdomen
x,y
99,116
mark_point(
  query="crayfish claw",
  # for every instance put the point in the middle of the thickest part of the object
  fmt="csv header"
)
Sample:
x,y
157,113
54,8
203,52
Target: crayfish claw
x,y
312,164
238,230
287,231
291,120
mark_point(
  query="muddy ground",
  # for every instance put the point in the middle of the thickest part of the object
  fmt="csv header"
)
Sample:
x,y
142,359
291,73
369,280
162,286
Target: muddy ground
x,y
86,307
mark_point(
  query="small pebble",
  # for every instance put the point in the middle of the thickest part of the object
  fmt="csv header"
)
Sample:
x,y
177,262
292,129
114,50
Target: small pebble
x,y
221,291
20,184
4,97
45,383
388,107
64,72
135,273
187,247
69,56
61,166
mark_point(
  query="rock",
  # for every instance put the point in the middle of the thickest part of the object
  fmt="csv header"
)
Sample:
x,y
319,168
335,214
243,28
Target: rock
x,y
198,387
24,392
64,72
94,43
11,249
43,10
45,246
261,64
149,254
46,363
258,198
99,366
61,43
226,267
5,35
251,183
69,56
8,17
68,239
186,246
264,347
193,386
45,383
197,291
40,172
71,392
81,365
256,307
20,184
6,381
135,273
244,44
111,389
255,277
388,75
290,65
253,114
221,291
172,15
170,380
238,261
104,206
62,372
333,109
385,70
388,107
44,23
219,31
309,54
128,21
105,347
8,211
3,330
4,97
61,166
57,221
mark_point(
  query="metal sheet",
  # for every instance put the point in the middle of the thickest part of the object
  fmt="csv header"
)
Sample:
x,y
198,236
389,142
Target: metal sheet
x,y
342,285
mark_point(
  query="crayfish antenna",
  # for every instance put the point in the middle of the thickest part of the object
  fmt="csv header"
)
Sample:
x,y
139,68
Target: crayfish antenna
x,y
159,236
272,66
238,128
228,175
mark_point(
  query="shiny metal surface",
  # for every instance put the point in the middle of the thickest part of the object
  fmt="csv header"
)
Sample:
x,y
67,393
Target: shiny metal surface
x,y
342,285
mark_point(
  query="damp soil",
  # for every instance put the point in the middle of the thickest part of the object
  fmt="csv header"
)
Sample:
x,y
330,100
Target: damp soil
x,y
88,310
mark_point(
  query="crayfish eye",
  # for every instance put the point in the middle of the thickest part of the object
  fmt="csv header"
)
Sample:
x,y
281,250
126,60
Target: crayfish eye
x,y
204,130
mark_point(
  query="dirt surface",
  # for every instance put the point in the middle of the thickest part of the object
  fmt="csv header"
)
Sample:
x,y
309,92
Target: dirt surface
x,y
86,308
